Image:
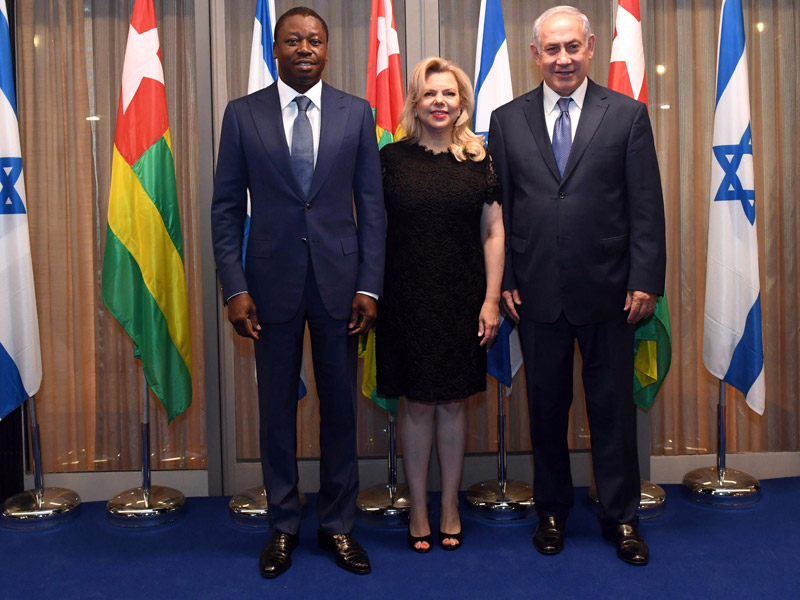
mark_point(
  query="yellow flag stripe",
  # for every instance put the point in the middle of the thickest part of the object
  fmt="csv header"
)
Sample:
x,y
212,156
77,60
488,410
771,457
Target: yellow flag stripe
x,y
136,222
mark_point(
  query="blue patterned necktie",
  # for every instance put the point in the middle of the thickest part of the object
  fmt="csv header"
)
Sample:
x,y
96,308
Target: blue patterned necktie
x,y
303,145
562,135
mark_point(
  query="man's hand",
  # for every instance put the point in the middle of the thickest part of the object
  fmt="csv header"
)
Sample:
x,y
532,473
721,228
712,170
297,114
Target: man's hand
x,y
511,299
242,314
363,314
640,304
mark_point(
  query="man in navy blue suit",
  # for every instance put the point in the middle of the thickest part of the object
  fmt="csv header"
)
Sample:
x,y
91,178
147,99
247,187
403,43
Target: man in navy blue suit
x,y
585,260
307,153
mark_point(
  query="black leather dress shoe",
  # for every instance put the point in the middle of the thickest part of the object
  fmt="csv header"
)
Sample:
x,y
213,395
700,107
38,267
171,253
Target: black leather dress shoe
x,y
276,556
549,535
630,545
350,555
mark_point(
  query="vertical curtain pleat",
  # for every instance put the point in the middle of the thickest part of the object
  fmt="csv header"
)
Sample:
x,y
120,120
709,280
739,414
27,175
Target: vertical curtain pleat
x,y
70,55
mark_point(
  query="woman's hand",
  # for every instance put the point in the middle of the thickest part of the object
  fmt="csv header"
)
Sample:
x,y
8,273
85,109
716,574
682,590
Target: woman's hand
x,y
488,322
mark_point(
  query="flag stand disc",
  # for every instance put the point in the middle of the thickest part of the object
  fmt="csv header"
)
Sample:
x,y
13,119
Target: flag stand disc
x,y
501,499
488,500
146,505
386,504
40,507
249,508
652,503
720,485
35,509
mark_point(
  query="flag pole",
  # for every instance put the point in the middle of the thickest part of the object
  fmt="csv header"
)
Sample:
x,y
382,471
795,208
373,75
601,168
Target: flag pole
x,y
721,485
145,506
42,506
386,504
501,499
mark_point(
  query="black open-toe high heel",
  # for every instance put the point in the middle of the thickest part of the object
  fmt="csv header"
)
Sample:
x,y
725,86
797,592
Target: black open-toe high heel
x,y
423,539
458,537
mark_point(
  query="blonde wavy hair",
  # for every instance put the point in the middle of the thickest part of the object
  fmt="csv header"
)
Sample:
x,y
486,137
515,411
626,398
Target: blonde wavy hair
x,y
466,144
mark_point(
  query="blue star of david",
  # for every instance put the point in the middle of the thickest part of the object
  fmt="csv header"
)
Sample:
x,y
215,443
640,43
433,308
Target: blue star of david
x,y
10,201
729,158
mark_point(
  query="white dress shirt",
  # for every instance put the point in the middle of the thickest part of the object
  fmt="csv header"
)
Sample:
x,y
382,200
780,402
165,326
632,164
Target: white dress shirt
x,y
551,110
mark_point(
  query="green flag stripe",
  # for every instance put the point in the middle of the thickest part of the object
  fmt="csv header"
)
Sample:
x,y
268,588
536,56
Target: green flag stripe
x,y
386,138
156,172
139,314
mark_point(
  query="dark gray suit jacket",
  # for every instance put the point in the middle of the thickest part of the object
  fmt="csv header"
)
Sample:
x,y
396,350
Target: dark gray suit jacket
x,y
577,243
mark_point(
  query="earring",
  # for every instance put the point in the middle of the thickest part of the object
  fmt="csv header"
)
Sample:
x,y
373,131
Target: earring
x,y
415,113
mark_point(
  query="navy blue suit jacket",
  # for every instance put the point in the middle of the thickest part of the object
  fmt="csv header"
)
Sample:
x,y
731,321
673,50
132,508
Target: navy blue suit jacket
x,y
287,227
577,243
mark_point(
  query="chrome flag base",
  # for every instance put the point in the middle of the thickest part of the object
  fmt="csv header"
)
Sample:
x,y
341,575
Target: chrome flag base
x,y
34,509
488,500
141,507
722,487
250,508
384,504
652,503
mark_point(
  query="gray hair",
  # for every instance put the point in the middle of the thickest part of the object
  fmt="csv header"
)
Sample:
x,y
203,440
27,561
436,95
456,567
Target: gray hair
x,y
570,10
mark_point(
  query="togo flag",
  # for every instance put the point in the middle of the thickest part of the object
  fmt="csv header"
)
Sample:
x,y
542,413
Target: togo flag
x,y
143,278
492,72
20,354
385,96
732,344
626,75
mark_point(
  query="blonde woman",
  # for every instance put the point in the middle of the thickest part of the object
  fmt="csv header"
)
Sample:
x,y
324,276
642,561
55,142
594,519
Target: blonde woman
x,y
444,264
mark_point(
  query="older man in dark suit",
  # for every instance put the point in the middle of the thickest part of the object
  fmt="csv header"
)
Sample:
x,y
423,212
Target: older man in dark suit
x,y
307,153
585,260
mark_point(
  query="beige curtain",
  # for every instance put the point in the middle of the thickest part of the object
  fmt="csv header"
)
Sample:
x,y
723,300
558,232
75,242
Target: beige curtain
x,y
70,56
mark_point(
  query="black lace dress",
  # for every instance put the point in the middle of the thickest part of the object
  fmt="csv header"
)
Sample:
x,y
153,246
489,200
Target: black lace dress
x,y
427,344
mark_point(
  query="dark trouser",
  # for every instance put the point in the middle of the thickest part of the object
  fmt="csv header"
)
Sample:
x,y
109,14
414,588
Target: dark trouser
x,y
278,356
607,353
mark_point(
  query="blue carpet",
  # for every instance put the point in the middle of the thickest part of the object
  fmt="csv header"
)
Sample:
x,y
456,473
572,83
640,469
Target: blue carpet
x,y
696,552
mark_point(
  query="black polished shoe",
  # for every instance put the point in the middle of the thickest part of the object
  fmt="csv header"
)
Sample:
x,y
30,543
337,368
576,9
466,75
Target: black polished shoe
x,y
549,535
350,555
276,556
630,545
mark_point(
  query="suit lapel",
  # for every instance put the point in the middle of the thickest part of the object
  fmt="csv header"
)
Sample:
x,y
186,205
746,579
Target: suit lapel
x,y
332,128
268,119
595,105
534,113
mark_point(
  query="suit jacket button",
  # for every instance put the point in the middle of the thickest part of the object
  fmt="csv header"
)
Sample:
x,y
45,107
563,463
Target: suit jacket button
x,y
304,240
308,205
561,195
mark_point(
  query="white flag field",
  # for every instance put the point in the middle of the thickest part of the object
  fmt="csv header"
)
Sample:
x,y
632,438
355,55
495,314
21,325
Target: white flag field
x,y
732,341
492,71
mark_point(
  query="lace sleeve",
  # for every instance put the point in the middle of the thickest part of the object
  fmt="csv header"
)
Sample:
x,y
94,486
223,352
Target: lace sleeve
x,y
494,189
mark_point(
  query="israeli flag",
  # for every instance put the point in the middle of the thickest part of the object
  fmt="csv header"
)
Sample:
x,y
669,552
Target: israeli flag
x,y
504,358
263,70
20,354
492,73
732,343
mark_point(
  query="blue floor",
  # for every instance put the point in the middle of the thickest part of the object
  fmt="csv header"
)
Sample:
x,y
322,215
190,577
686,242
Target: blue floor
x,y
696,552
